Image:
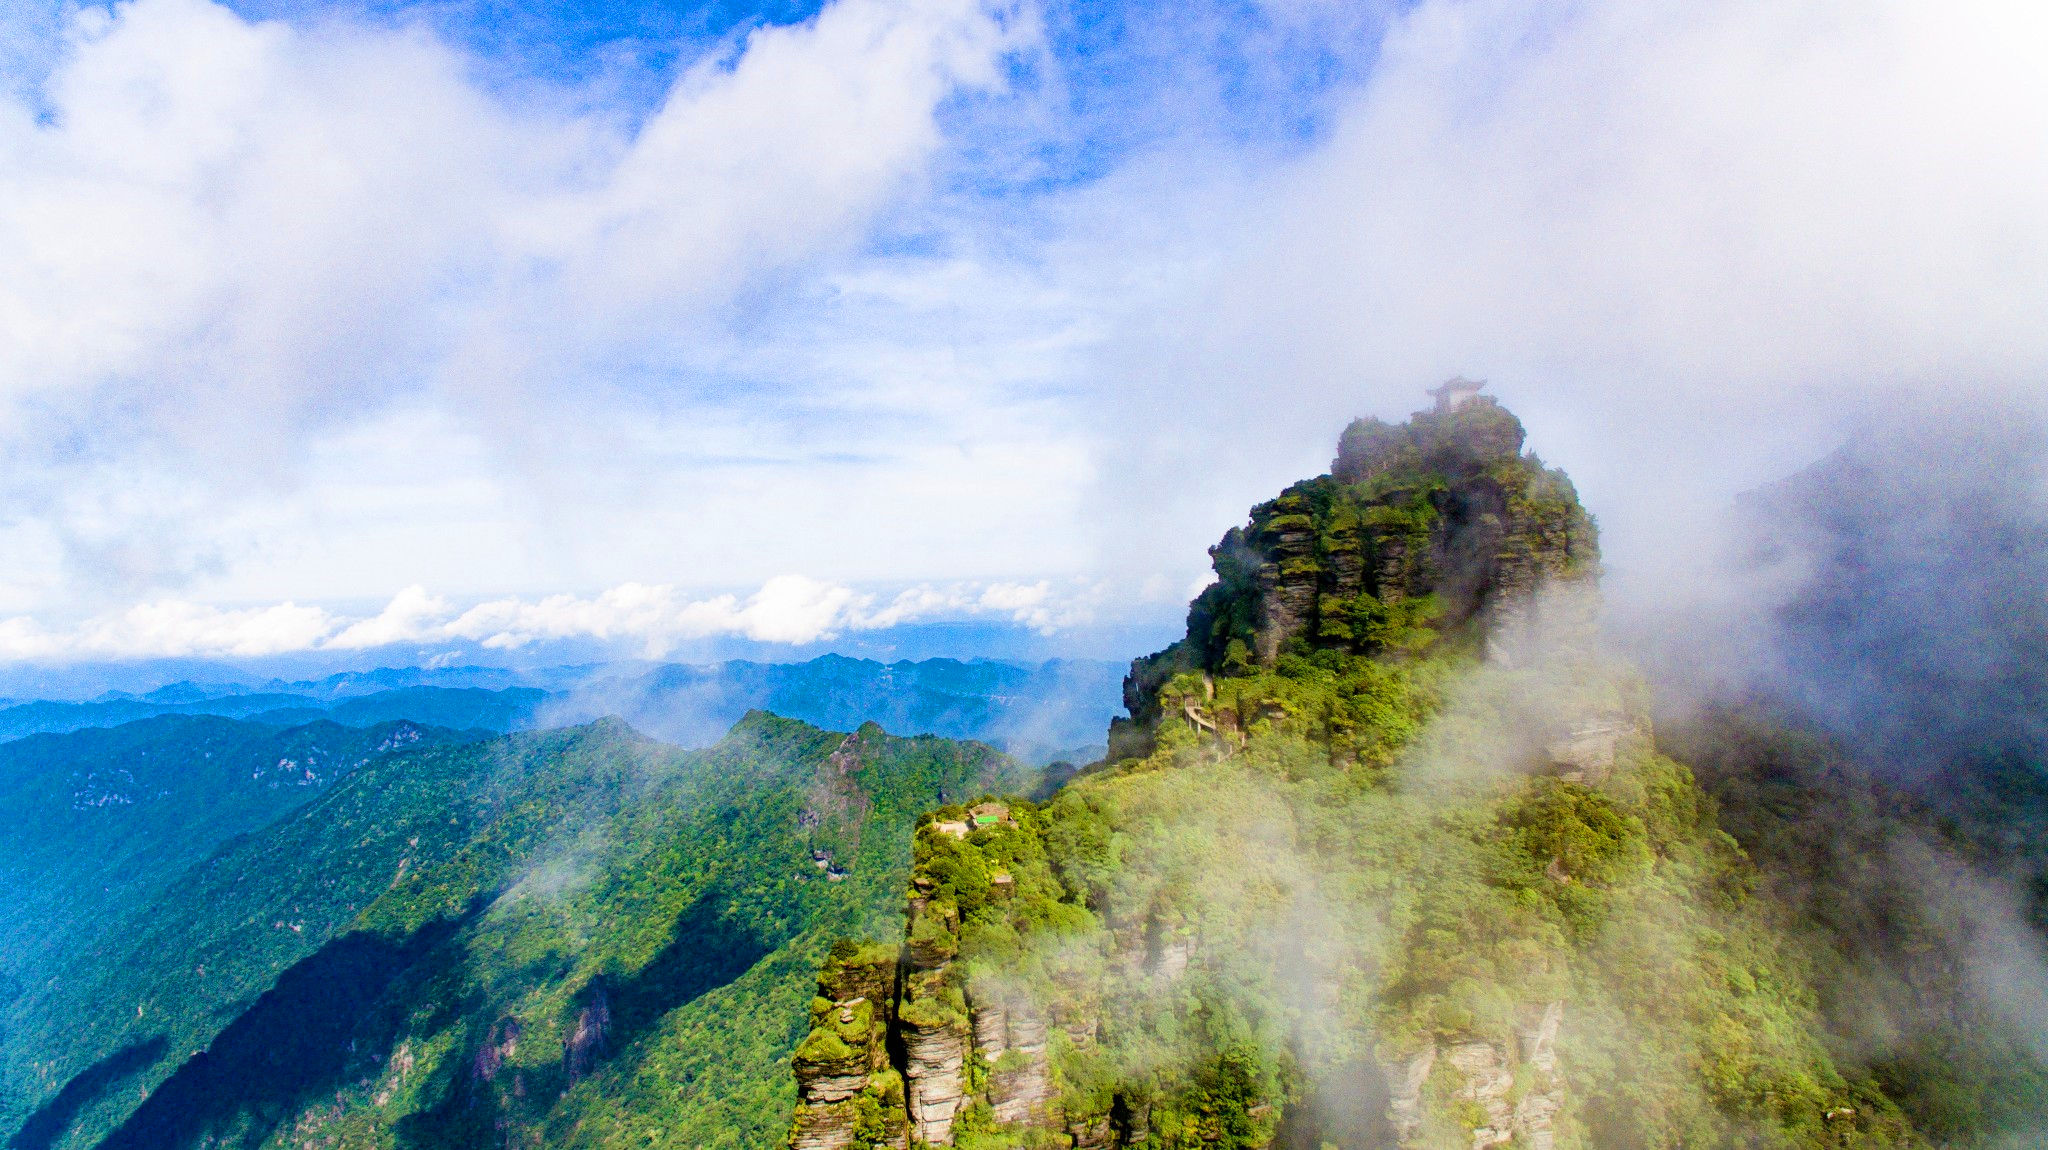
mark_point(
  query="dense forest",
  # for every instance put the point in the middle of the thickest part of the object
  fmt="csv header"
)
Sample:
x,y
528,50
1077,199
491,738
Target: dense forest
x,y
572,937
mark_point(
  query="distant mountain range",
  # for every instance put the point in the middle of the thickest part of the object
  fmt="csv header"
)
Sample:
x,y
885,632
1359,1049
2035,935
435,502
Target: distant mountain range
x,y
180,848
95,823
1058,709
460,707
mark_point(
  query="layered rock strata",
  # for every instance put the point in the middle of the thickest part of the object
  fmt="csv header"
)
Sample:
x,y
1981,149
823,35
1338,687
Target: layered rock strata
x,y
937,1039
1514,1090
847,1091
1011,1040
898,1051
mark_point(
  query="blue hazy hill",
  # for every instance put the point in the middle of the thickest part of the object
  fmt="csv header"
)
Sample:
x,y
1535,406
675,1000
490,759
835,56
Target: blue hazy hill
x,y
1057,709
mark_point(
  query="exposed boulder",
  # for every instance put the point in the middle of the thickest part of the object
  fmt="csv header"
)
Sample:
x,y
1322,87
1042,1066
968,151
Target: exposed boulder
x,y
1485,1078
589,1035
1515,1093
1404,1104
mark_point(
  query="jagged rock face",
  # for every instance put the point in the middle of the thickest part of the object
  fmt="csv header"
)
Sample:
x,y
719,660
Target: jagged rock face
x,y
843,1063
589,1036
836,809
1481,1075
1404,1105
1536,1114
1586,752
832,1080
873,982
823,1127
876,1005
1486,1078
1013,1041
932,948
1093,1133
1438,523
499,1046
935,1058
991,1027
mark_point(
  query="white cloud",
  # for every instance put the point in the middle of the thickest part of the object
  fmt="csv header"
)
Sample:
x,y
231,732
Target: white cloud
x,y
644,619
787,609
227,238
171,628
1690,243
412,615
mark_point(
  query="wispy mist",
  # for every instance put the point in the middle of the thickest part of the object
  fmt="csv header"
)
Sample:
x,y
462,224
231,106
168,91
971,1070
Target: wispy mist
x,y
1858,669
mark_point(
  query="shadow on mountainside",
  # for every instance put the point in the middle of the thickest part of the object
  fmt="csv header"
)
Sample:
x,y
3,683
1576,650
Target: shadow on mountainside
x,y
705,951
293,1045
486,1097
52,1118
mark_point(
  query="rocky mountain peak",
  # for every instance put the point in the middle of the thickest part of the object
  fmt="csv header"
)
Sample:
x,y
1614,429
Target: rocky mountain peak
x,y
1458,440
1438,529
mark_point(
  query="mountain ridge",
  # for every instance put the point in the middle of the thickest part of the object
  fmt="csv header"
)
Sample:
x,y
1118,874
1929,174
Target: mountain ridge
x,y
1043,711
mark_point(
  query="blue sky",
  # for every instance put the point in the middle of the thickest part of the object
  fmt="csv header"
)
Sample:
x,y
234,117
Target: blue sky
x,y
360,328
1127,75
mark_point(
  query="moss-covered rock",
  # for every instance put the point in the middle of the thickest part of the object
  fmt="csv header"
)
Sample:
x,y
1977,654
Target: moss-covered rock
x,y
1436,530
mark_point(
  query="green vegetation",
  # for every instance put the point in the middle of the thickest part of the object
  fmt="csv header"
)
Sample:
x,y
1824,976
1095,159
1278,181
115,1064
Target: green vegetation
x,y
95,823
1421,532
572,938
1895,926
1266,912
1387,853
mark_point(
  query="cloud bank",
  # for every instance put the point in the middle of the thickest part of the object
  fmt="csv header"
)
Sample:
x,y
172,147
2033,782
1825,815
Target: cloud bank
x,y
220,240
1693,245
645,621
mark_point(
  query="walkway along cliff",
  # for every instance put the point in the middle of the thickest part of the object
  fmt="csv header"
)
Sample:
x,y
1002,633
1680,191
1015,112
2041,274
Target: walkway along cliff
x,y
1384,855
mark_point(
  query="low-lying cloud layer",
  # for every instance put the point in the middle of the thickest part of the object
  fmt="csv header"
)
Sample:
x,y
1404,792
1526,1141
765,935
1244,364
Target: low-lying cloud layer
x,y
635,619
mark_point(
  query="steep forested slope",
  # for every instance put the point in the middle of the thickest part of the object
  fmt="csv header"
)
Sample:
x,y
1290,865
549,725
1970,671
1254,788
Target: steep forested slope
x,y
1882,752
94,823
1387,855
1926,976
574,937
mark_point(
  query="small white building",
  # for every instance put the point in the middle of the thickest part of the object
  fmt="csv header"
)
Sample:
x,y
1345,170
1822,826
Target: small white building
x,y
1456,392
